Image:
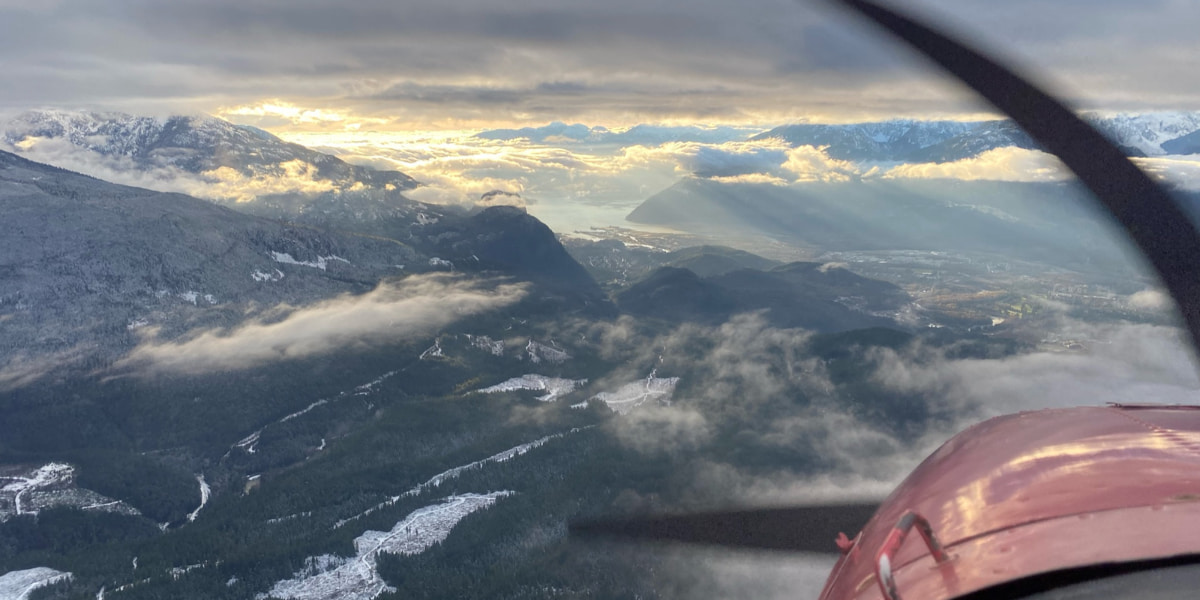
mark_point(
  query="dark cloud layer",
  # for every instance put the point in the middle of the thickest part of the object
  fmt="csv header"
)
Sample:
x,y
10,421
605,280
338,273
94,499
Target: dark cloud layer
x,y
624,60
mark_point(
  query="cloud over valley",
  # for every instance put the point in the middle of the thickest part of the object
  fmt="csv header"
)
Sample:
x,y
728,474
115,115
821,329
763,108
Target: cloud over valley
x,y
393,312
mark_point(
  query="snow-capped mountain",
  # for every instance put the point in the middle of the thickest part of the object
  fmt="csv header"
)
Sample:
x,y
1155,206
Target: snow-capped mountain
x,y
1147,134
988,135
242,167
1149,131
880,141
194,144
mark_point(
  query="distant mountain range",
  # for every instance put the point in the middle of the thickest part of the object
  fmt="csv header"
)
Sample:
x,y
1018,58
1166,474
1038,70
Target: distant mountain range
x,y
900,140
1150,134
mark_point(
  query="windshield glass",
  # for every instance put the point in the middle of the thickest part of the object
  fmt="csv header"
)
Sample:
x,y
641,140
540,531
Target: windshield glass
x,y
342,300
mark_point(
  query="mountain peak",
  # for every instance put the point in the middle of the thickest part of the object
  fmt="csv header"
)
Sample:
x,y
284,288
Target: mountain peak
x,y
211,158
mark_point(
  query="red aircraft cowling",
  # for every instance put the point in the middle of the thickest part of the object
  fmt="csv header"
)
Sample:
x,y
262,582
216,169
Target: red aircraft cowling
x,y
1037,492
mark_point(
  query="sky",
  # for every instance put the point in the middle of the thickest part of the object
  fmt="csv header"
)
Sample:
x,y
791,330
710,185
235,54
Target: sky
x,y
316,65
406,85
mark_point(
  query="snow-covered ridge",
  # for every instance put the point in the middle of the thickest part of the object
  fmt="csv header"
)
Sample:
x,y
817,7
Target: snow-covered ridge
x,y
19,585
555,387
321,263
118,133
449,474
632,395
185,143
25,492
1146,131
329,577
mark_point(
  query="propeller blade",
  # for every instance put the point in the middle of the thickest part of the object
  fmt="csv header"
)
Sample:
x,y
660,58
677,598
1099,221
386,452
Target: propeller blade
x,y
1160,229
799,528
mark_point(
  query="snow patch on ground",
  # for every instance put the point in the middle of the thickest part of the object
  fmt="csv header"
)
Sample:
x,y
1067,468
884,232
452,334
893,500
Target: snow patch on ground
x,y
554,387
45,476
632,395
307,513
194,297
25,491
321,263
205,492
264,276
368,388
177,572
483,342
301,412
250,442
447,475
18,585
329,577
433,351
539,352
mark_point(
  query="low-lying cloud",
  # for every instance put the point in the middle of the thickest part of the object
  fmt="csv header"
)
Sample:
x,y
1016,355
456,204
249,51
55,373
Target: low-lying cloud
x,y
220,184
22,369
393,312
738,372
767,383
1181,171
1000,164
1119,363
1151,301
807,163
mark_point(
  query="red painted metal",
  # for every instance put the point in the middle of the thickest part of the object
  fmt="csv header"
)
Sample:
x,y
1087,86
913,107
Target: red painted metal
x,y
1037,492
895,540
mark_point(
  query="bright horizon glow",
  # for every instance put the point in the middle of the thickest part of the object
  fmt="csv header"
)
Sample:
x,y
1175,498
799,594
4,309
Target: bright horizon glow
x,y
293,120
